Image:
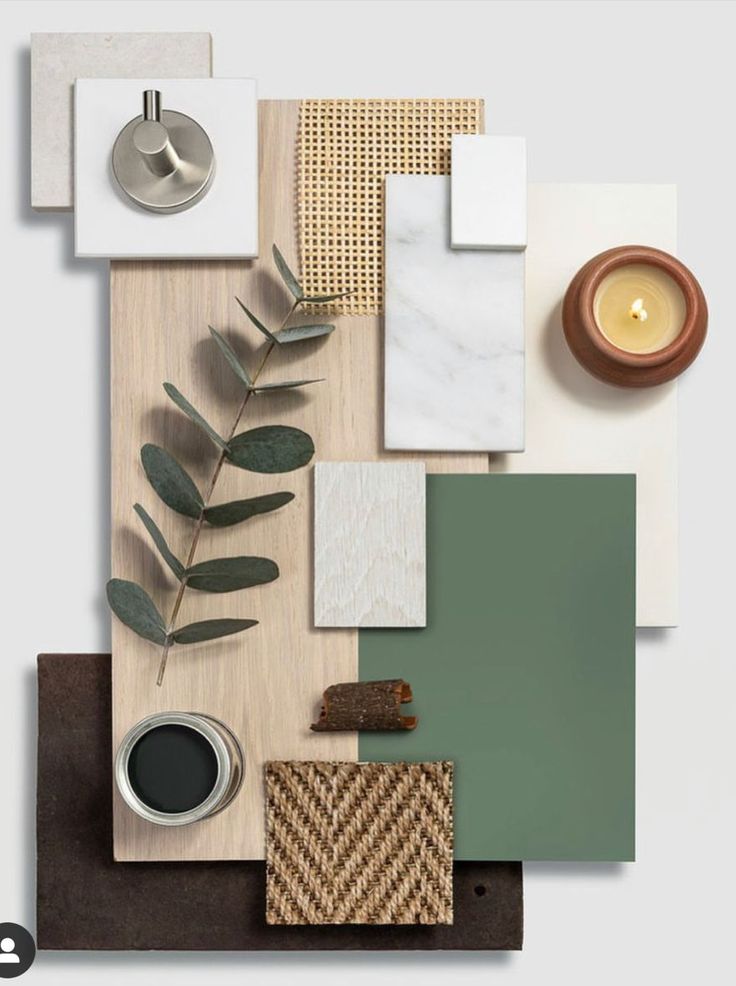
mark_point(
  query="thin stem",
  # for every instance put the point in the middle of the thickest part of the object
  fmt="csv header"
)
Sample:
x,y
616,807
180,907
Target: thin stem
x,y
208,495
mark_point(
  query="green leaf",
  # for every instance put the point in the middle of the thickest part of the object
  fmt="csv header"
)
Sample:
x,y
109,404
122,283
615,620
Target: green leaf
x,y
321,299
227,514
289,280
193,633
286,385
272,448
229,574
160,541
229,353
183,404
258,324
172,483
296,333
134,607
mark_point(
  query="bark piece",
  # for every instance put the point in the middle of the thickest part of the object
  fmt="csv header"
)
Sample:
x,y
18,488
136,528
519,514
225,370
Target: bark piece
x,y
365,705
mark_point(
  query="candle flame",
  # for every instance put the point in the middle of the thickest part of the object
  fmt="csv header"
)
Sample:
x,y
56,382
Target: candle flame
x,y
638,311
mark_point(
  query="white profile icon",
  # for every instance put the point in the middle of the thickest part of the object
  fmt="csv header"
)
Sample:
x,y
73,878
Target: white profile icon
x,y
7,953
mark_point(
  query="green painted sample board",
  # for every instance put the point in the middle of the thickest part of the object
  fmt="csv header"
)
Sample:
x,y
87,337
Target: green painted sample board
x,y
525,673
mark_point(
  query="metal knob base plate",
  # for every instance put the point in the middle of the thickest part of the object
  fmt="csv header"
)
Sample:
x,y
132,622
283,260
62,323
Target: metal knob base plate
x,y
184,186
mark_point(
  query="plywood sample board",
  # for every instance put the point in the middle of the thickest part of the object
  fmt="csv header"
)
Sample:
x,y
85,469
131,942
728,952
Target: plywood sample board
x,y
266,683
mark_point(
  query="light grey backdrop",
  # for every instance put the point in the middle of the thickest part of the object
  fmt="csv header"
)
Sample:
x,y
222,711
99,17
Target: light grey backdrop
x,y
603,92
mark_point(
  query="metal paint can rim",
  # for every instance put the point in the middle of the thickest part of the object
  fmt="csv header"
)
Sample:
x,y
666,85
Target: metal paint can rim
x,y
230,766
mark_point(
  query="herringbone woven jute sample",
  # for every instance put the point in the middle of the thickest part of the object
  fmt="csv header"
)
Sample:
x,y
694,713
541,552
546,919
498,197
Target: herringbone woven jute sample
x,y
346,147
358,843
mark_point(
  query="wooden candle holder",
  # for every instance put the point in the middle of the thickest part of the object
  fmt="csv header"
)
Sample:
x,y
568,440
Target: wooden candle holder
x,y
617,366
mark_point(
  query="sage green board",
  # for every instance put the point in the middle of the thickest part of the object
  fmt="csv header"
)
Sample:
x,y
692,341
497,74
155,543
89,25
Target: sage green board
x,y
524,675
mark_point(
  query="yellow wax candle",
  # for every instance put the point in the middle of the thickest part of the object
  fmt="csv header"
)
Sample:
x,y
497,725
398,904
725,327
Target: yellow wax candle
x,y
639,308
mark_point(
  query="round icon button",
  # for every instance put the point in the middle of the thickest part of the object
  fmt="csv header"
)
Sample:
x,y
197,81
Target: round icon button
x,y
17,950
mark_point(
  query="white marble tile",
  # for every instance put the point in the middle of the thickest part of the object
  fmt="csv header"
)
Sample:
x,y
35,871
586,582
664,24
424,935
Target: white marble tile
x,y
454,330
488,192
577,424
58,59
369,544
224,223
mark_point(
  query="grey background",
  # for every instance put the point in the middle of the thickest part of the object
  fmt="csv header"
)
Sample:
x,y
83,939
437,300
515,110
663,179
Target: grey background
x,y
603,92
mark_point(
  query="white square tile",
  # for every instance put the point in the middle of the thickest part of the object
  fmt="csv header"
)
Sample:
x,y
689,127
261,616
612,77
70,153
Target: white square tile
x,y
58,59
222,224
488,192
454,330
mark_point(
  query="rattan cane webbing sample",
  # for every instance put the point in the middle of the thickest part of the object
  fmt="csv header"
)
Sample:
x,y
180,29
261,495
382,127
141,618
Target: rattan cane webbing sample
x,y
346,147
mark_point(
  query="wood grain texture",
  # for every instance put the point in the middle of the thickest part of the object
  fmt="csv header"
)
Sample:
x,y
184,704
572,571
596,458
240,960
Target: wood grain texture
x,y
369,544
266,682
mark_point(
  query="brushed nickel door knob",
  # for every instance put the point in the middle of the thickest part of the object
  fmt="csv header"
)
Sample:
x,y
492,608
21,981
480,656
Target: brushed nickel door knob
x,y
163,160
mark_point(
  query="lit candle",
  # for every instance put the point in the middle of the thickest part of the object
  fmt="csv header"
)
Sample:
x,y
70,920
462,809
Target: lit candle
x,y
634,316
639,308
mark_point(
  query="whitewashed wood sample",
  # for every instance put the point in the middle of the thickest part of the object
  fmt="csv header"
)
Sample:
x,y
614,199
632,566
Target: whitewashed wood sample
x,y
454,370
58,59
488,182
267,683
369,544
577,424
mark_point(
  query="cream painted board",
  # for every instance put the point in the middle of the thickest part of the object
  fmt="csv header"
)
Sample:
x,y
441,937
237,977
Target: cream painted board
x,y
267,682
369,544
577,424
58,59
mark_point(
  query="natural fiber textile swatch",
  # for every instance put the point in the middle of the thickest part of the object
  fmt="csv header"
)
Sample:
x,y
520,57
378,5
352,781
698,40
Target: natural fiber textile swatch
x,y
358,843
525,674
346,147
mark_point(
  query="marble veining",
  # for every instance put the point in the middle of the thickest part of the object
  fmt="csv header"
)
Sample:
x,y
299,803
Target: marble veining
x,y
454,346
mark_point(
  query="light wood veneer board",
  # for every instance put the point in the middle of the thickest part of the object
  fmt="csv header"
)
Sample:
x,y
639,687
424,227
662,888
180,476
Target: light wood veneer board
x,y
266,683
369,544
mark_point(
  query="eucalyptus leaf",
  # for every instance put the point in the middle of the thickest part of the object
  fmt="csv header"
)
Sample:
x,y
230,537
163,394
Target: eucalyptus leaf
x,y
193,414
172,483
230,355
289,280
297,333
134,607
286,385
257,322
227,514
193,633
271,448
321,299
229,574
160,541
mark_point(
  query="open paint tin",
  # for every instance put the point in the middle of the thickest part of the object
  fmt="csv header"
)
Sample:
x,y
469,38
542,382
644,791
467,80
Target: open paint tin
x,y
174,768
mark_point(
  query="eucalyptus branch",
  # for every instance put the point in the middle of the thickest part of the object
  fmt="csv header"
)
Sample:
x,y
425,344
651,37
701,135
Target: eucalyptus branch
x,y
267,449
207,497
